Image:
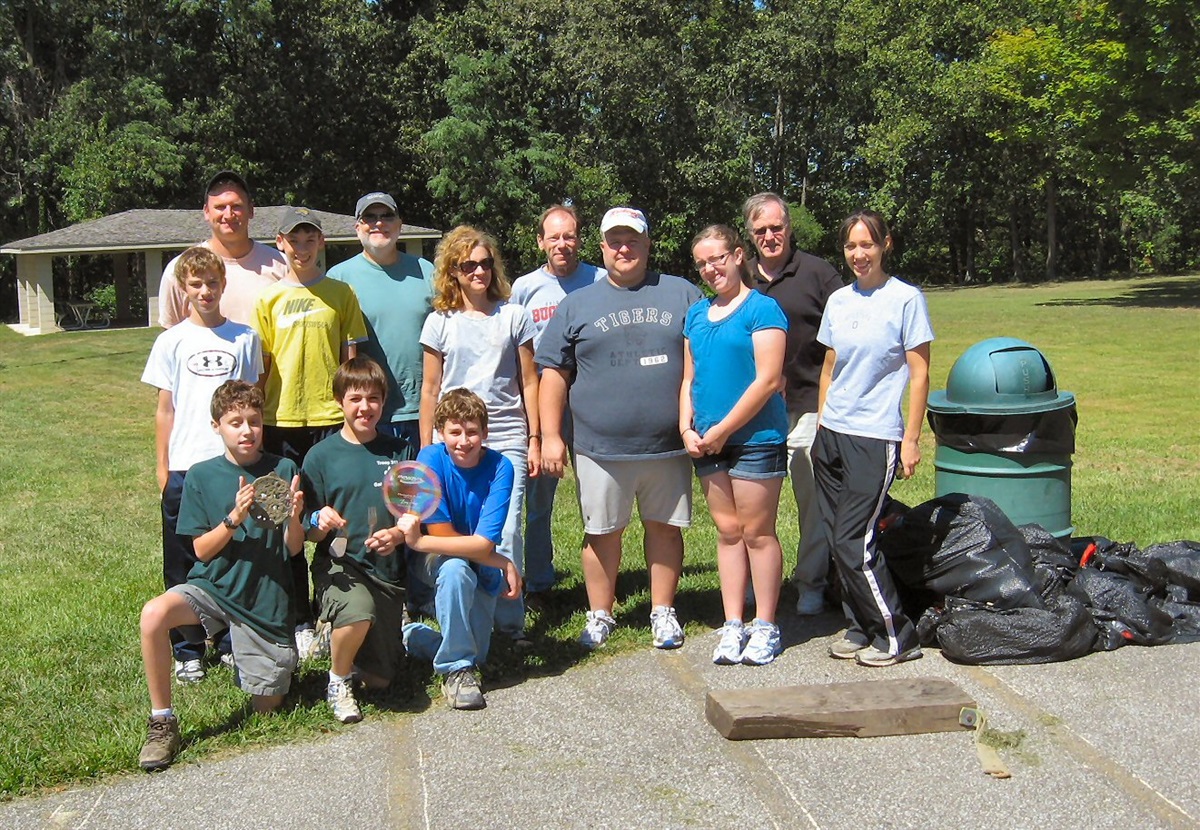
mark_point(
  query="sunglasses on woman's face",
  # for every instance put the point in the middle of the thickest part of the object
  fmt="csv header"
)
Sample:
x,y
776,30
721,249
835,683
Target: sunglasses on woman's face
x,y
471,266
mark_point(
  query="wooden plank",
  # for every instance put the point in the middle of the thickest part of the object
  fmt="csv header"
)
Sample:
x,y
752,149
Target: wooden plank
x,y
867,709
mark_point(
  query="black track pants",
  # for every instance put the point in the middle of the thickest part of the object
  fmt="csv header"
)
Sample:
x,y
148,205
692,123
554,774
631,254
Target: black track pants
x,y
853,475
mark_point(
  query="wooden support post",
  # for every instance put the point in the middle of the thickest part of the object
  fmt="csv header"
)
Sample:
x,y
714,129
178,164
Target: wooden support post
x,y
867,709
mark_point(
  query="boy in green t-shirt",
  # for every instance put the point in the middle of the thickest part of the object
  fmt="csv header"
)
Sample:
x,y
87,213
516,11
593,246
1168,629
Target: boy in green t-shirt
x,y
358,579
242,579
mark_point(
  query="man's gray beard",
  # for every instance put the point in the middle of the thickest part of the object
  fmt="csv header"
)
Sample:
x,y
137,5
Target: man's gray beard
x,y
373,251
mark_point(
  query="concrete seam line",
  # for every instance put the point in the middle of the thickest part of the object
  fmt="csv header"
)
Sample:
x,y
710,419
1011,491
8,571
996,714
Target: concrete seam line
x,y
748,758
408,805
1086,753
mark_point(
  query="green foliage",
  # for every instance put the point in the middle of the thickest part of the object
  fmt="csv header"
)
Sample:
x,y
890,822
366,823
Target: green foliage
x,y
105,298
1005,139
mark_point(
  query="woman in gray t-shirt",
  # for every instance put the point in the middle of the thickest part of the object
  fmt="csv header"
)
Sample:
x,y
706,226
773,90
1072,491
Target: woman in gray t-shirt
x,y
476,340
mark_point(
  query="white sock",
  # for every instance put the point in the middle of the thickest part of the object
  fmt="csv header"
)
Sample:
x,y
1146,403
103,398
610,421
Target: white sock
x,y
333,677
164,713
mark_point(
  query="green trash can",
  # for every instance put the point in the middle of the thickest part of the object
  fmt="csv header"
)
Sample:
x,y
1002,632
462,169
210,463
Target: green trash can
x,y
1005,432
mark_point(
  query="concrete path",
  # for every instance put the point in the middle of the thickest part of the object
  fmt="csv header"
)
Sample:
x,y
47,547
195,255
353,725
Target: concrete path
x,y
1108,741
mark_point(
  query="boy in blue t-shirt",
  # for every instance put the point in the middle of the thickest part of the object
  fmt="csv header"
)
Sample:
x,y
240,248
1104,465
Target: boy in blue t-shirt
x,y
454,553
242,580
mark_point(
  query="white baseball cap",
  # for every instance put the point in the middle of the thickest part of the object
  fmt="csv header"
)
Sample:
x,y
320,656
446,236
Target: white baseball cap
x,y
624,217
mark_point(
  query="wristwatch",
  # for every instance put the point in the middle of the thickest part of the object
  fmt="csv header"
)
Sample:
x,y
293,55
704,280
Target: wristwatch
x,y
229,523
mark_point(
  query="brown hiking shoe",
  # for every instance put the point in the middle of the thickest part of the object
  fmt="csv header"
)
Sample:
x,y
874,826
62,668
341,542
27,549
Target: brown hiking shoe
x,y
162,742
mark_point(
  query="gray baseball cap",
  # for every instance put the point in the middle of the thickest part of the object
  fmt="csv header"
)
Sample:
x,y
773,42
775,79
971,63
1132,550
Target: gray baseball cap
x,y
376,198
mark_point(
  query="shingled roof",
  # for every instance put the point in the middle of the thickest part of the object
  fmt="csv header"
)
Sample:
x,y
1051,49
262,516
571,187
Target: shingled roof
x,y
147,230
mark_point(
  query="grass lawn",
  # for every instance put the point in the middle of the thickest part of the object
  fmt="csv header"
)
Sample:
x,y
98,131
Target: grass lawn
x,y
80,533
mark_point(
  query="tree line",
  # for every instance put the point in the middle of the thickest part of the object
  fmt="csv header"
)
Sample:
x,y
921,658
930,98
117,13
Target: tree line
x,y
1005,139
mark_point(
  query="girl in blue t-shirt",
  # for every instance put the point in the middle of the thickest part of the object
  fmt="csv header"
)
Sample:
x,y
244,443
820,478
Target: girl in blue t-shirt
x,y
734,425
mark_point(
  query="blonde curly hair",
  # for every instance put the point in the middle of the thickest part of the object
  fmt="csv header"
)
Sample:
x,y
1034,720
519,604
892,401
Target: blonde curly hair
x,y
455,247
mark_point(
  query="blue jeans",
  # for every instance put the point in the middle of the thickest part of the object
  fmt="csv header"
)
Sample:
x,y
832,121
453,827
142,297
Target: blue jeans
x,y
510,613
539,544
410,431
178,558
465,612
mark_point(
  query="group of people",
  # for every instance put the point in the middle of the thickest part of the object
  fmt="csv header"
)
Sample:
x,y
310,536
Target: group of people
x,y
271,367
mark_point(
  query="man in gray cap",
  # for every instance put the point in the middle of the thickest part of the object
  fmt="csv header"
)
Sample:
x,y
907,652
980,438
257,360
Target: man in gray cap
x,y
395,292
617,344
249,266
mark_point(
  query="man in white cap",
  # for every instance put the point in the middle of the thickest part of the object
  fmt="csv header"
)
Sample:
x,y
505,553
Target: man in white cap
x,y
249,266
618,346
395,292
541,291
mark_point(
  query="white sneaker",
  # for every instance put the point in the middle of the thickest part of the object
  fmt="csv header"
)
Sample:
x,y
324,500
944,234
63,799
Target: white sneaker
x,y
304,642
189,671
810,603
321,638
340,698
599,625
665,625
733,641
764,644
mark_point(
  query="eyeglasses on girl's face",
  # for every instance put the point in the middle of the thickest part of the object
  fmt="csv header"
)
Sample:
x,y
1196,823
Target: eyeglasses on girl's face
x,y
713,261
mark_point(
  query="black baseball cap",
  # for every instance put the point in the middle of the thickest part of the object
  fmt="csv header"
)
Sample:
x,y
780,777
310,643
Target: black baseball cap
x,y
226,177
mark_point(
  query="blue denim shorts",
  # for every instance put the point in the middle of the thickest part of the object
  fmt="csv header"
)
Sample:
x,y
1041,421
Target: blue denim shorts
x,y
756,462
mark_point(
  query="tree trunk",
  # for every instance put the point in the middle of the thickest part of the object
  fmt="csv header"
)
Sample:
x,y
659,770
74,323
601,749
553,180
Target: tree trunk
x,y
1014,239
1051,228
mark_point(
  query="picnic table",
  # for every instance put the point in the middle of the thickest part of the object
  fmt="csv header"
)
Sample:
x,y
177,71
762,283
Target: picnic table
x,y
83,313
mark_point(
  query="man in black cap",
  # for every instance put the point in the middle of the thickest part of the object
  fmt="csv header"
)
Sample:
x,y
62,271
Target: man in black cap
x,y
249,266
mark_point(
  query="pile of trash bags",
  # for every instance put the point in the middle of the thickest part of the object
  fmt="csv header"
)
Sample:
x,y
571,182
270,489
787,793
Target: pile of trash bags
x,y
990,593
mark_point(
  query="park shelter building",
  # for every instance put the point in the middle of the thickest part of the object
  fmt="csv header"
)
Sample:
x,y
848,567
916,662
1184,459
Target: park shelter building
x,y
154,236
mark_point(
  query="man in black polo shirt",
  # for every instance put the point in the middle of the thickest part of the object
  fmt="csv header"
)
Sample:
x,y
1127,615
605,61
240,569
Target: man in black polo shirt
x,y
801,283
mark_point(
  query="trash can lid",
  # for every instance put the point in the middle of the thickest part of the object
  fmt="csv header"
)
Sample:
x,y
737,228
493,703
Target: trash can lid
x,y
1000,375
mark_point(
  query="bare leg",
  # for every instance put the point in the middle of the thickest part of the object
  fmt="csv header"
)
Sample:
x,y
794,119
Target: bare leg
x,y
159,616
732,564
664,560
757,504
344,644
265,704
601,559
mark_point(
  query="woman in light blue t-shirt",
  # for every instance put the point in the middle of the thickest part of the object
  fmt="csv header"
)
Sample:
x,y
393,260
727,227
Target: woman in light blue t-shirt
x,y
734,425
877,333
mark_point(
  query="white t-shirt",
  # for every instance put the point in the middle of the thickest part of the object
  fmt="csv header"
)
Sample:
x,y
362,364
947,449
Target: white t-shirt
x,y
541,292
871,332
190,361
480,354
245,278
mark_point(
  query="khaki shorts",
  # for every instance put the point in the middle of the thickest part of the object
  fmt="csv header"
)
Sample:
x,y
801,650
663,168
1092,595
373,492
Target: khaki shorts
x,y
346,595
261,666
607,489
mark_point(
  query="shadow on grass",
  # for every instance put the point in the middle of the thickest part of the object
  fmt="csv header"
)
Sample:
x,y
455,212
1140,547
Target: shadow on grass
x,y
1176,293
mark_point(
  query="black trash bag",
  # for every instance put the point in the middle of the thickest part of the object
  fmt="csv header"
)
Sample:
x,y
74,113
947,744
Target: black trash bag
x,y
977,634
1046,549
961,546
1185,618
1177,563
1122,608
